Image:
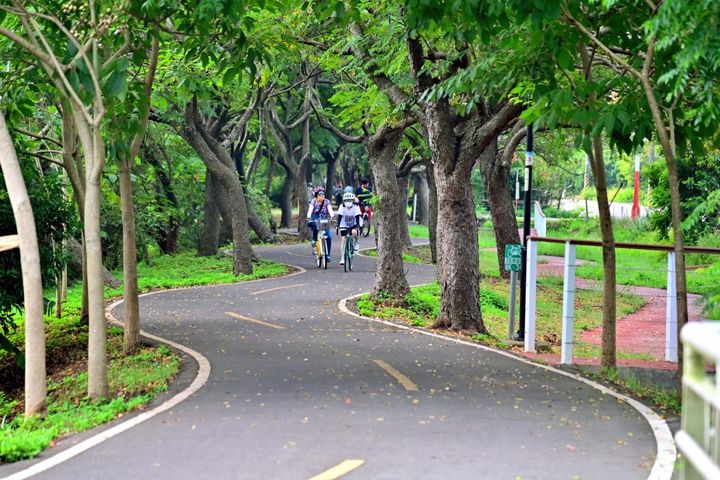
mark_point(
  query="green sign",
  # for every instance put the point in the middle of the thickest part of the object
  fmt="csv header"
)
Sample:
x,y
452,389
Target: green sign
x,y
513,257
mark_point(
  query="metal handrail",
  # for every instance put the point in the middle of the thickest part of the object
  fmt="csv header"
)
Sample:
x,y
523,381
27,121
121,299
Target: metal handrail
x,y
699,437
625,245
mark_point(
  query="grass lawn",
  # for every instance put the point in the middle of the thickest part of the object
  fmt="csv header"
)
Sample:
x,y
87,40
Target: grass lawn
x,y
422,306
134,379
635,267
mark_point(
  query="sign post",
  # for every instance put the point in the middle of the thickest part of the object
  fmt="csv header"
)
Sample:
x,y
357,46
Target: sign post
x,y
513,262
526,227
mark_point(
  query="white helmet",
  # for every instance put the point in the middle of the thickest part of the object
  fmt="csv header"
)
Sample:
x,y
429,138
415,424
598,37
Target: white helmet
x,y
348,197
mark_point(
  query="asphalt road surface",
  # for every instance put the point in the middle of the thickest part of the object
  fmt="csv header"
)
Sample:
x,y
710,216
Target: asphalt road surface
x,y
297,388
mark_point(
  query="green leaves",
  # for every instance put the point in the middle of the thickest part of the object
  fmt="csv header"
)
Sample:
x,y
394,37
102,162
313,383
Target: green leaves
x,y
115,83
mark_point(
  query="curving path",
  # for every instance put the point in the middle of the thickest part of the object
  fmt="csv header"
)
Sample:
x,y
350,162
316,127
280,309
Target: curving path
x,y
298,387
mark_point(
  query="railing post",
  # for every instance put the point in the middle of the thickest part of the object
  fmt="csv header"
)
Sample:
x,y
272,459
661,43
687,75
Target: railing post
x,y
671,352
568,305
530,290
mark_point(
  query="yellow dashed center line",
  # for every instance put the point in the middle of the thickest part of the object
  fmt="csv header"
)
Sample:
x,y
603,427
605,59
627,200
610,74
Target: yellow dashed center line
x,y
404,381
277,288
342,468
253,320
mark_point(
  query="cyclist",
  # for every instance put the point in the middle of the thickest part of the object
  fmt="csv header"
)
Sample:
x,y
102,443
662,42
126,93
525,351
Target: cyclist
x,y
348,220
363,194
320,209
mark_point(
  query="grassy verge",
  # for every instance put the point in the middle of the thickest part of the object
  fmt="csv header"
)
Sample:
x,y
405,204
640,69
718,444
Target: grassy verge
x,y
134,379
422,305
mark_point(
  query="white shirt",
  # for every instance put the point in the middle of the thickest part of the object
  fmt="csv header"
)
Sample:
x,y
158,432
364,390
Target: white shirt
x,y
347,215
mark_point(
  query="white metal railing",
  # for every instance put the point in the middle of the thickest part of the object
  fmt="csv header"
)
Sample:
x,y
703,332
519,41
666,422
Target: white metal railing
x,y
540,220
699,439
569,287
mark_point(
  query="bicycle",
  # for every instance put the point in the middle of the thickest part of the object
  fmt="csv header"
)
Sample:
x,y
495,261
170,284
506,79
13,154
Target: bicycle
x,y
349,251
367,218
321,251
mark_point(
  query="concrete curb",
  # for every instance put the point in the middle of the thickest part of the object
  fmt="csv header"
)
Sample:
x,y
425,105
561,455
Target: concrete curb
x,y
666,452
200,380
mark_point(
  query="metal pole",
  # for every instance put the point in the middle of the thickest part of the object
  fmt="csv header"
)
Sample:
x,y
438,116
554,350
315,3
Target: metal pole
x,y
513,302
566,354
526,228
671,346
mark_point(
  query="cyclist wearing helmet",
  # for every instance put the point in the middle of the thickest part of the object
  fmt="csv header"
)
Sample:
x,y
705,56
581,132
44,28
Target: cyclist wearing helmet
x,y
320,209
363,193
348,220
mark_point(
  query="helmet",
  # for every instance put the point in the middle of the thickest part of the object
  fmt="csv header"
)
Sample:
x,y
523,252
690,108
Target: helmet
x,y
318,191
348,189
348,197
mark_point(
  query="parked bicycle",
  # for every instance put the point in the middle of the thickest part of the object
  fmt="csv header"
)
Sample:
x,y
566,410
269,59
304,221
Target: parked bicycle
x,y
321,247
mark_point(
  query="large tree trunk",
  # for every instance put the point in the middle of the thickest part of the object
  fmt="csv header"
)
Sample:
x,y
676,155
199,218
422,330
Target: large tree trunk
x,y
597,163
423,198
211,221
286,200
389,274
495,178
131,307
432,210
270,174
218,161
457,252
402,212
457,246
35,373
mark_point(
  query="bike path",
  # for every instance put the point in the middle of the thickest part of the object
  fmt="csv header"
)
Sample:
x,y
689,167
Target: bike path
x,y
294,401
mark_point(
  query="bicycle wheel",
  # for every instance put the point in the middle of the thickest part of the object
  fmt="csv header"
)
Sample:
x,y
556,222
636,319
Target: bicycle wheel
x,y
348,260
318,254
346,256
366,226
325,254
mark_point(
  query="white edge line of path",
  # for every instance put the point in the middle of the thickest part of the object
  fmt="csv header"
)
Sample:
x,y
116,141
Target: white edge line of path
x,y
666,452
200,379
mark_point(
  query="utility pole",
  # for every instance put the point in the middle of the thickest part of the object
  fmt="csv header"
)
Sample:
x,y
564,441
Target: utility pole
x,y
526,228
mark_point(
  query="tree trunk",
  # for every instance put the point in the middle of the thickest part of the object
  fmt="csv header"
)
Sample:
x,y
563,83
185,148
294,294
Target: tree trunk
x,y
35,373
286,200
131,307
457,246
597,163
330,174
432,210
423,198
258,226
389,274
666,141
500,201
270,173
211,221
218,161
169,234
402,212
94,150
